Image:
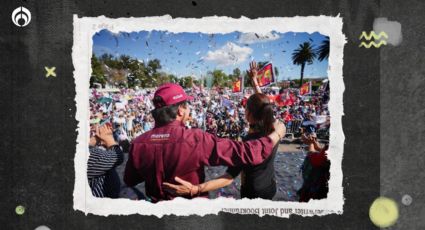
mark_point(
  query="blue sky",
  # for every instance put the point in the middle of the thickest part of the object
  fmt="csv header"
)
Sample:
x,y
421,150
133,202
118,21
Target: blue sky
x,y
193,54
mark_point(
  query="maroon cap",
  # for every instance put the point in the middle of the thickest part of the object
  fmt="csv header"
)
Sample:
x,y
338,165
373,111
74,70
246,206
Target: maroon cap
x,y
171,94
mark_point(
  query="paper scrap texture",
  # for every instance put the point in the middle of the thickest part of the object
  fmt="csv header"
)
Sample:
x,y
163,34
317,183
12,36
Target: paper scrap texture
x,y
86,27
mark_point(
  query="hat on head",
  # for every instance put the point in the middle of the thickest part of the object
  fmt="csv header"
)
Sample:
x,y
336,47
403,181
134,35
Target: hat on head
x,y
171,94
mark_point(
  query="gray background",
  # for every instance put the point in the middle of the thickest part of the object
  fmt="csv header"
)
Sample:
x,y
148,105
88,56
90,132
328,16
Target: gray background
x,y
383,122
402,113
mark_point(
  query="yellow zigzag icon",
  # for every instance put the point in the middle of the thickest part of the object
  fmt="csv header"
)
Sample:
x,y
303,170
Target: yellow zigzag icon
x,y
372,43
372,34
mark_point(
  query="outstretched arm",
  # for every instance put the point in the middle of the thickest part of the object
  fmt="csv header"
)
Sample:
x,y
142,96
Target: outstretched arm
x,y
311,141
223,151
186,188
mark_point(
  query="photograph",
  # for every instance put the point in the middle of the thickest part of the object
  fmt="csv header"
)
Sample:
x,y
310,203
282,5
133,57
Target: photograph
x,y
173,114
200,116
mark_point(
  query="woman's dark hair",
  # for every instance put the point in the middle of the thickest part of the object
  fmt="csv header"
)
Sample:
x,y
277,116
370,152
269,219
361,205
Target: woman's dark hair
x,y
261,110
164,114
125,145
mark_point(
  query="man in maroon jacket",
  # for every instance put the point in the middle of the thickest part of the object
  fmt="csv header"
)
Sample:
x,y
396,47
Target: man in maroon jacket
x,y
171,150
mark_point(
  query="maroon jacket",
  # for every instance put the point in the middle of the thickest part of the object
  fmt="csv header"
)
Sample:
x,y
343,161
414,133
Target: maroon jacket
x,y
172,150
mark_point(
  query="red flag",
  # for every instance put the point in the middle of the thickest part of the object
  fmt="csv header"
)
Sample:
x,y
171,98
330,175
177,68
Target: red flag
x,y
291,99
284,100
265,75
305,88
237,86
245,99
279,100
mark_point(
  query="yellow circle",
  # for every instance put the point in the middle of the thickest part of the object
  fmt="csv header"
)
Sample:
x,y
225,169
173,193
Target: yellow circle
x,y
20,210
383,212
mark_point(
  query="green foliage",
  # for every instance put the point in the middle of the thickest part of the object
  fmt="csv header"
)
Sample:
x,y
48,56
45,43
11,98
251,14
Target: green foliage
x,y
186,82
315,86
97,75
130,72
297,81
127,71
304,54
236,73
261,64
323,50
221,79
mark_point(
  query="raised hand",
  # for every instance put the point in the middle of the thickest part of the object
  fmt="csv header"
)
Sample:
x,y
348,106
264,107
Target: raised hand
x,y
253,71
92,141
280,128
104,133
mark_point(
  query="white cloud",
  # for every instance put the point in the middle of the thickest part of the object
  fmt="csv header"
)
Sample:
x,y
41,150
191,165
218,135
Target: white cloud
x,y
250,38
116,34
229,54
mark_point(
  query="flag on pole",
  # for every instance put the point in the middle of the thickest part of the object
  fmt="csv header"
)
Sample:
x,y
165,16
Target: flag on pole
x,y
279,101
305,88
265,75
242,82
237,86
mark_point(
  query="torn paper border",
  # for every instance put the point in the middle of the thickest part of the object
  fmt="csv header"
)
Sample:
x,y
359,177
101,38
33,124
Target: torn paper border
x,y
86,27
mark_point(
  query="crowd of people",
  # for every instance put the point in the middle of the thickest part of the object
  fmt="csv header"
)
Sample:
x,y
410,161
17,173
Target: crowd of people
x,y
129,114
217,111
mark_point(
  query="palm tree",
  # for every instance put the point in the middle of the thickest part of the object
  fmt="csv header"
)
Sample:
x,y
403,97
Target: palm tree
x,y
304,54
323,50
